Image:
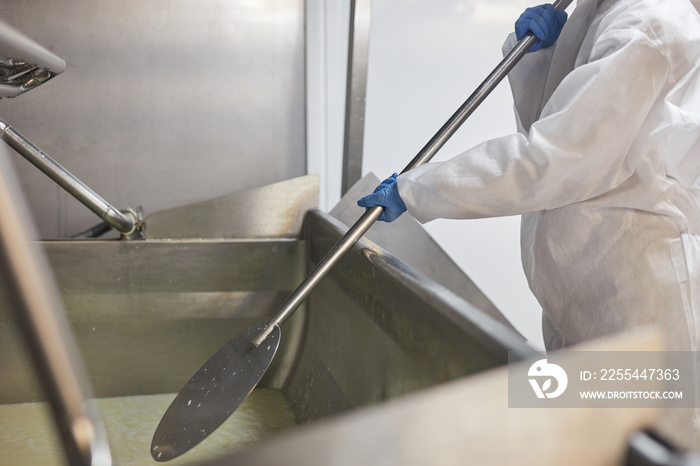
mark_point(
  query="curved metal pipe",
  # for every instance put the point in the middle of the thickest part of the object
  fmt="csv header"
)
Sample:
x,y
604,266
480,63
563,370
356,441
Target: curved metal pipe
x,y
125,223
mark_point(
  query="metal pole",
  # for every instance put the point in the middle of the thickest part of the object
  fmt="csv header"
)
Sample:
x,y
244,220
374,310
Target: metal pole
x,y
124,223
424,156
34,296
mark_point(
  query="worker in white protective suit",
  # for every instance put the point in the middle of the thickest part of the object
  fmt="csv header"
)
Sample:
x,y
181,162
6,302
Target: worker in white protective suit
x,y
604,170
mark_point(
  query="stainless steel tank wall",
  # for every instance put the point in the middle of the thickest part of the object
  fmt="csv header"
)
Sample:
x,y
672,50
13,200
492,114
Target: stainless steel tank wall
x,y
376,329
163,102
147,314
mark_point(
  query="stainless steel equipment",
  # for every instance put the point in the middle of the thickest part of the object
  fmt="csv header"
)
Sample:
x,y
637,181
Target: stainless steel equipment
x,y
145,314
163,103
375,329
272,211
147,321
126,222
32,294
468,422
24,64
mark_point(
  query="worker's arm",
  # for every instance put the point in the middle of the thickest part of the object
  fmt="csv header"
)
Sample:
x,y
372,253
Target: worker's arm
x,y
578,149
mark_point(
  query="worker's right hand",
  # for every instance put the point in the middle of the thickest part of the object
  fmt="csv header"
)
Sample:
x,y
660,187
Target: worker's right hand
x,y
544,21
387,196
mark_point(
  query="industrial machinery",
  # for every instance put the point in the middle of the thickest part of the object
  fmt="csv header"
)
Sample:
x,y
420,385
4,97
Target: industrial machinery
x,y
104,330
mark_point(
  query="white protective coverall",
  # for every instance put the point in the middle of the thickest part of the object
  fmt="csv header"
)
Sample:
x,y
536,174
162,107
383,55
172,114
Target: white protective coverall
x,y
605,170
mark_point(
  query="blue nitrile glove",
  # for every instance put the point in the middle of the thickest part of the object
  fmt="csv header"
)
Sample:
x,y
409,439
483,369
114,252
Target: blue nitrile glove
x,y
544,21
387,196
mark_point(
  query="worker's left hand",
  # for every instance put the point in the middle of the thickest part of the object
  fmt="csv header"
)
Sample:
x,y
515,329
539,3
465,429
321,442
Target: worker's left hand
x,y
544,21
387,196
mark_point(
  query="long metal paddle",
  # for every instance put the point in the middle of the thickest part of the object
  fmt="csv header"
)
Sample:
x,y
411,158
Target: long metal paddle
x,y
223,382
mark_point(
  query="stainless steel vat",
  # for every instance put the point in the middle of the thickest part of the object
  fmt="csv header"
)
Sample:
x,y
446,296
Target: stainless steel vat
x,y
154,310
147,314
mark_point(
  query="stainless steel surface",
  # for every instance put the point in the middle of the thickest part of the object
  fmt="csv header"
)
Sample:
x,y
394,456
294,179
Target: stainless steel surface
x,y
378,329
465,422
124,223
176,420
163,103
147,314
182,428
213,393
34,296
356,90
24,64
406,239
272,211
478,96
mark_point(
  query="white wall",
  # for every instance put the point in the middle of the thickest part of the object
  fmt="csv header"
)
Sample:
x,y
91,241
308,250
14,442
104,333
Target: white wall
x,y
426,58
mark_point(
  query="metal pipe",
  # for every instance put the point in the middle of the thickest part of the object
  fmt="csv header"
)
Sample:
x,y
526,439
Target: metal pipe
x,y
427,153
33,293
123,222
94,232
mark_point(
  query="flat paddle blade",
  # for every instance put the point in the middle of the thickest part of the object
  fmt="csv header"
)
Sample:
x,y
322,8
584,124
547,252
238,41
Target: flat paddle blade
x,y
213,393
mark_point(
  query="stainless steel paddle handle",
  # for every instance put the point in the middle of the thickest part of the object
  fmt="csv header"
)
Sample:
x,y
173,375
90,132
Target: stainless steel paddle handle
x,y
429,150
125,223
320,271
